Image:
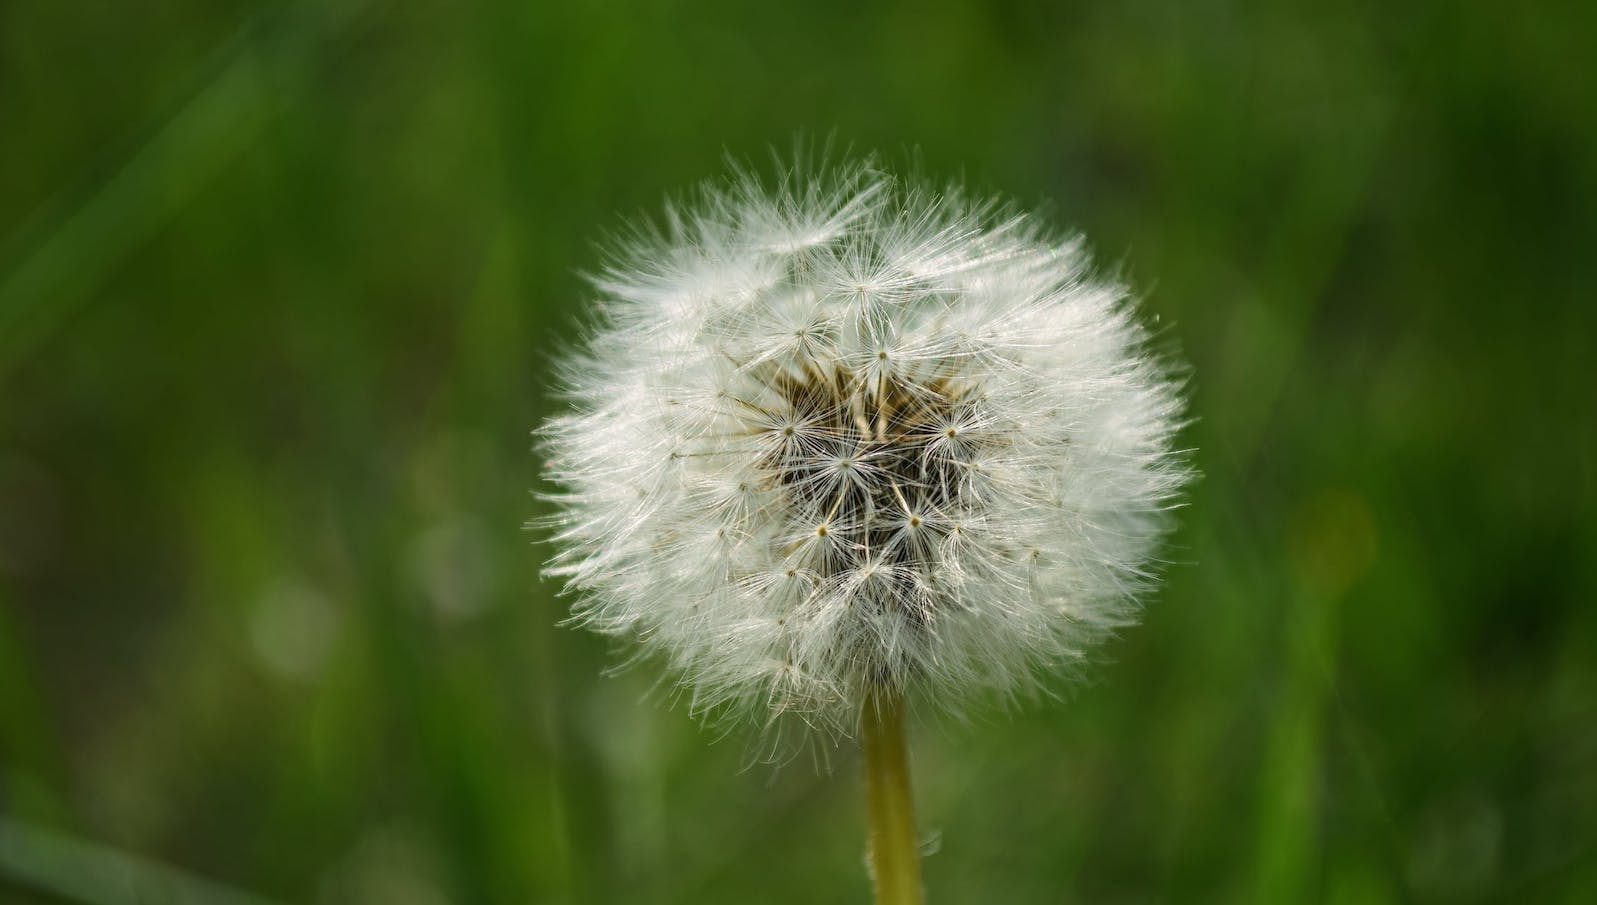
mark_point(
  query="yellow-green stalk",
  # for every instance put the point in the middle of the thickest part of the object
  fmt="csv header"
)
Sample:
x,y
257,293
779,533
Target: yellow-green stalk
x,y
893,854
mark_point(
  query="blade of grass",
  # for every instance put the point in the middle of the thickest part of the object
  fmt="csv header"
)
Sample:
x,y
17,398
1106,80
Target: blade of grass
x,y
68,255
90,874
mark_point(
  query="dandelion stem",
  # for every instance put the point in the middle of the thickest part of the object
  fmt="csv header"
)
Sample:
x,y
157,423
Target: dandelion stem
x,y
893,854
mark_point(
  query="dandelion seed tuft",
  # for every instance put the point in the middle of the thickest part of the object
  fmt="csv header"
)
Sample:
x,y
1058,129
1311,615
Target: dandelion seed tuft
x,y
843,433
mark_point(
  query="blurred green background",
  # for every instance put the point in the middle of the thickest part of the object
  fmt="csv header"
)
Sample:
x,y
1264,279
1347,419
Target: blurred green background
x,y
279,288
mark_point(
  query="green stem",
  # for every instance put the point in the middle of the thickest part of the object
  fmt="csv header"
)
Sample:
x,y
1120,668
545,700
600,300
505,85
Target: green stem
x,y
893,854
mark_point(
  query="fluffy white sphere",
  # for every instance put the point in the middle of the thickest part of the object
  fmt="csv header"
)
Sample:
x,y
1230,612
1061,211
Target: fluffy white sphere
x,y
846,432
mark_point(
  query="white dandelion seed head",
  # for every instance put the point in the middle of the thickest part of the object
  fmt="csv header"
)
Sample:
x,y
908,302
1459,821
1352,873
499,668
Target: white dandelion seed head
x,y
846,432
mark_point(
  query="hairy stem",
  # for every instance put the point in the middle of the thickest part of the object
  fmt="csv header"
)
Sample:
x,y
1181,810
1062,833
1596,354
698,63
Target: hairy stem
x,y
893,854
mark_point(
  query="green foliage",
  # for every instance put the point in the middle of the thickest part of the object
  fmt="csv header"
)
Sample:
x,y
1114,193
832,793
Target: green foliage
x,y
279,286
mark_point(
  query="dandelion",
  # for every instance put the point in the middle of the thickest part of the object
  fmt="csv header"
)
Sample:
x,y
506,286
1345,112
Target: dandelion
x,y
844,442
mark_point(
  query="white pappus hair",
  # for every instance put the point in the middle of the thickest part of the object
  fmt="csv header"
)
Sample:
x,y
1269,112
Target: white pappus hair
x,y
847,431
